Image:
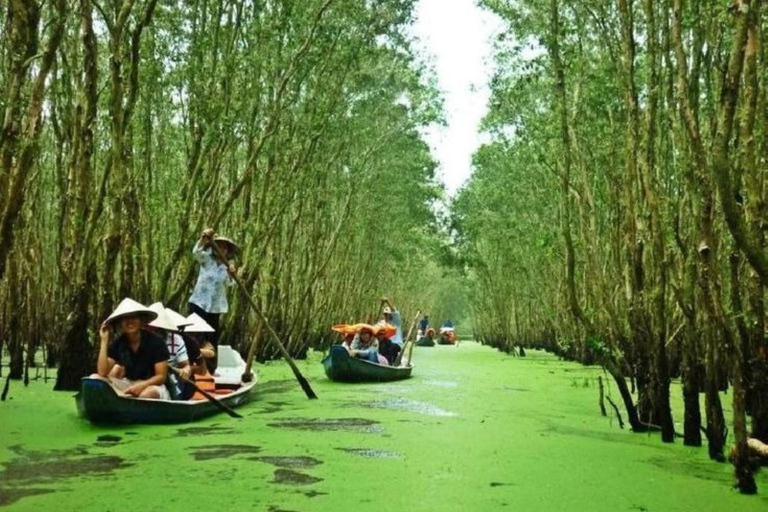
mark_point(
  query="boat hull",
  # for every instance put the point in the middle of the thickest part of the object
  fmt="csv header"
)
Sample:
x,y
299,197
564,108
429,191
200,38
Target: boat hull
x,y
425,342
98,402
339,366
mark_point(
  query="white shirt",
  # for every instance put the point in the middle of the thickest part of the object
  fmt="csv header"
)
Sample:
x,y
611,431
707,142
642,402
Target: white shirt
x,y
212,281
177,349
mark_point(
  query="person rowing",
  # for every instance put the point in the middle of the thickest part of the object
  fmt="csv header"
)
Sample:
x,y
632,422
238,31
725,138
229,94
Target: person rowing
x,y
209,299
136,362
392,317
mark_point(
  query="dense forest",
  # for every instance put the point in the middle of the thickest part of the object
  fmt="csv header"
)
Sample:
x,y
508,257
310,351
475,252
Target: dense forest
x,y
292,127
618,214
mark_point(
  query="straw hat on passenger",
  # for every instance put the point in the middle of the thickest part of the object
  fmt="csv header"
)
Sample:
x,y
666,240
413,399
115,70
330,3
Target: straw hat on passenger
x,y
129,307
388,329
345,328
177,318
365,327
163,320
198,324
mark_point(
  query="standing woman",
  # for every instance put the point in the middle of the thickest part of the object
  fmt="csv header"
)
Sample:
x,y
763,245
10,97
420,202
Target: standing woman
x,y
209,300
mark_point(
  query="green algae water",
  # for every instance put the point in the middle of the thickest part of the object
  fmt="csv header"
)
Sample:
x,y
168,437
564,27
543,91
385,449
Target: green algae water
x,y
474,429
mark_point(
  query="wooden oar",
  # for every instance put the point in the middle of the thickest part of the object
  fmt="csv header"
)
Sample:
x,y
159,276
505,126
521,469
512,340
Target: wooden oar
x,y
405,343
215,401
299,377
248,374
410,347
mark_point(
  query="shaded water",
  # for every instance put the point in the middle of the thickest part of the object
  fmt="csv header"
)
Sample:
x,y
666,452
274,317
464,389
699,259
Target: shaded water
x,y
472,430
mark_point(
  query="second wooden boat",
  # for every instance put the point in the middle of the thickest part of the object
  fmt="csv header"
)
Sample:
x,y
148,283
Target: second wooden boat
x,y
339,366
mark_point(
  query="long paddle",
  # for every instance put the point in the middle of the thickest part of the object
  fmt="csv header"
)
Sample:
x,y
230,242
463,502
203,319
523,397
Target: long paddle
x,y
299,377
248,375
405,343
215,401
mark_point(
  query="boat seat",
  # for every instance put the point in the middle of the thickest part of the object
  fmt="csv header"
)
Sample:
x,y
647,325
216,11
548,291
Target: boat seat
x,y
231,367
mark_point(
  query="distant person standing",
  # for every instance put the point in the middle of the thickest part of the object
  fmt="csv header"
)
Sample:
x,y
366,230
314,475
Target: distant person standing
x,y
424,324
209,300
392,317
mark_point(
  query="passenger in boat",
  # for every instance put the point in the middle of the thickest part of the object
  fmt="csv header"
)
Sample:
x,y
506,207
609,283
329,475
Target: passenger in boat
x,y
387,348
198,348
141,357
364,345
209,299
167,327
347,334
201,352
392,317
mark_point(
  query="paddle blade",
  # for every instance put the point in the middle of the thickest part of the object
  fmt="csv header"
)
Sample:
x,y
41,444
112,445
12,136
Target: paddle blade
x,y
304,383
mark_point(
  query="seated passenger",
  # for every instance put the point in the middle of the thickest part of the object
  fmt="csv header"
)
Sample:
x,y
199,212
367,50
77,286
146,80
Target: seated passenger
x,y
196,339
347,334
142,356
387,348
364,345
166,327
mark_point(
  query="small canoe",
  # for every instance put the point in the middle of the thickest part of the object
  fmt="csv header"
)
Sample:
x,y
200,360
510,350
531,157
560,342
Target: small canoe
x,y
99,402
339,366
425,342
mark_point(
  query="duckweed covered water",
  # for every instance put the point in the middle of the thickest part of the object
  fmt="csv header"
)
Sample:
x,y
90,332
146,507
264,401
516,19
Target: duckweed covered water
x,y
473,430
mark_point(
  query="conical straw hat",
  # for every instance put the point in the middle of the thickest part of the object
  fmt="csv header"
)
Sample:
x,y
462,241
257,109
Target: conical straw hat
x,y
163,320
177,318
198,324
223,240
129,307
366,327
389,330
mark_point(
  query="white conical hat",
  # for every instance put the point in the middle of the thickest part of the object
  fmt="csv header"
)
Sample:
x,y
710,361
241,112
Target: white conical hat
x,y
198,324
129,307
163,320
177,318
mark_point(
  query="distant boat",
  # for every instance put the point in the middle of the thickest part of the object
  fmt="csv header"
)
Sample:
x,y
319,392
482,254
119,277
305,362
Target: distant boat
x,y
424,341
339,366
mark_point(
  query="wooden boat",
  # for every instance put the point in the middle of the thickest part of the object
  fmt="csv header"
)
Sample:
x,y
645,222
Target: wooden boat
x,y
339,366
425,342
99,402
447,338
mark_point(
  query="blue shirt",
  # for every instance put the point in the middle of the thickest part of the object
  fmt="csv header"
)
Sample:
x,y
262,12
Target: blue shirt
x,y
396,322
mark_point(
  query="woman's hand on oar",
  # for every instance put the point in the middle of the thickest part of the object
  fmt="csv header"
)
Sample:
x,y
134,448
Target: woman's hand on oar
x,y
207,395
304,383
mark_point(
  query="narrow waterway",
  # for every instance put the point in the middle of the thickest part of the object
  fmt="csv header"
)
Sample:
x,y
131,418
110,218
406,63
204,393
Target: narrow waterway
x,y
474,429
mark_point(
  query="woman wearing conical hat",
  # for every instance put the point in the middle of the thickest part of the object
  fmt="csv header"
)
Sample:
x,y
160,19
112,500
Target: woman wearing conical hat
x,y
167,325
209,300
365,346
387,349
142,357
